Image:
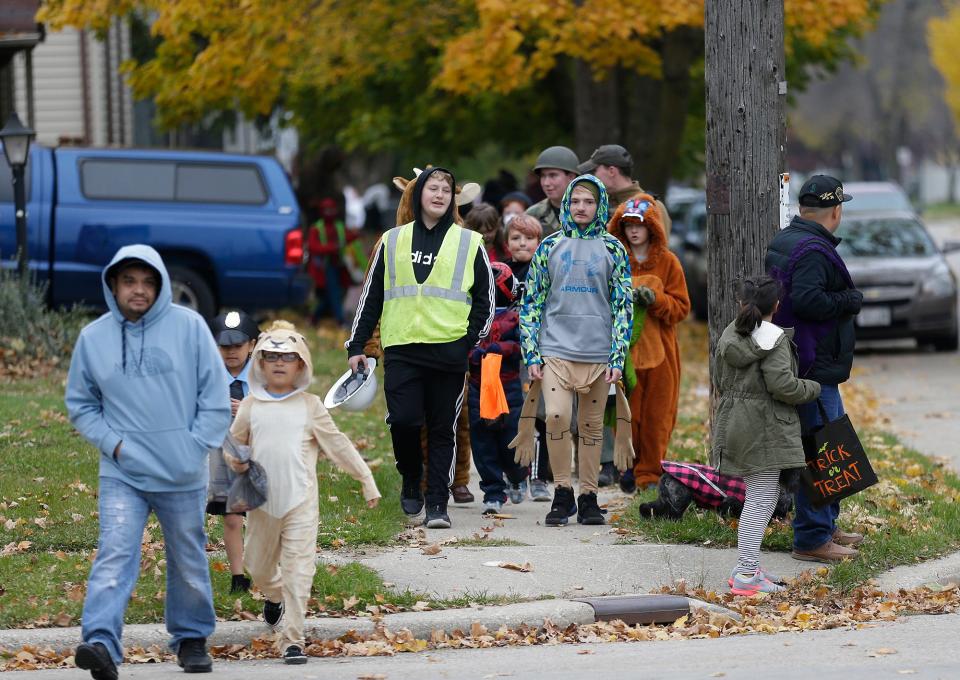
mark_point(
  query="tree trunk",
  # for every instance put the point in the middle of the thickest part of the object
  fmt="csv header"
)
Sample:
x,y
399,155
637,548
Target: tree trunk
x,y
643,113
746,136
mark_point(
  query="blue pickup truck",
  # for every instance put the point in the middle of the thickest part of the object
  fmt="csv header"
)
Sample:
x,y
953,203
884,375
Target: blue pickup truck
x,y
228,226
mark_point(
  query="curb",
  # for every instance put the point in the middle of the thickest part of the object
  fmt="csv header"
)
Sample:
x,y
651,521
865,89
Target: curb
x,y
943,571
421,624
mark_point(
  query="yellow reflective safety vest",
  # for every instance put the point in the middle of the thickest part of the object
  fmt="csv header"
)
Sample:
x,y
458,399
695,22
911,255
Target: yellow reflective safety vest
x,y
438,309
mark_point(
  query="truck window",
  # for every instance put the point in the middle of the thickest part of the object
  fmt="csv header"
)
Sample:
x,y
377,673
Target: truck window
x,y
123,180
220,183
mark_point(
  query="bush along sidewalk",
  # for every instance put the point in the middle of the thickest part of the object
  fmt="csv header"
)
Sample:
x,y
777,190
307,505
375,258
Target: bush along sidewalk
x,y
33,338
911,515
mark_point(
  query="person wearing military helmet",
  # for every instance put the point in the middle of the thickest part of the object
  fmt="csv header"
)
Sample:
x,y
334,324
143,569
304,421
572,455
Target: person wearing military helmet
x,y
557,167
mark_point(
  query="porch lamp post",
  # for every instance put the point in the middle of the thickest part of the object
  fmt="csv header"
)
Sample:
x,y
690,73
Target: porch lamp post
x,y
16,147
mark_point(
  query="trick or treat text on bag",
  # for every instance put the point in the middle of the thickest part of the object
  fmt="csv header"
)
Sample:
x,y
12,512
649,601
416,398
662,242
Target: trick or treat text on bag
x,y
835,470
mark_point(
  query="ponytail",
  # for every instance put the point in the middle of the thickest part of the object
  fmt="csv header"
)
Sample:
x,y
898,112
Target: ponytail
x,y
758,298
748,318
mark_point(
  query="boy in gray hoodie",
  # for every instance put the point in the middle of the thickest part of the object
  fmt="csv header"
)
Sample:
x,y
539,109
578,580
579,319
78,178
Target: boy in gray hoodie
x,y
575,330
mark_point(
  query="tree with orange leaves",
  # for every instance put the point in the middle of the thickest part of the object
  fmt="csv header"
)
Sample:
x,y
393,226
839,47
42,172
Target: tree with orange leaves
x,y
526,74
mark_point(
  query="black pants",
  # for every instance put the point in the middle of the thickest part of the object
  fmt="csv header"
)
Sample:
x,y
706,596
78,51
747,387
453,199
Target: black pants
x,y
417,395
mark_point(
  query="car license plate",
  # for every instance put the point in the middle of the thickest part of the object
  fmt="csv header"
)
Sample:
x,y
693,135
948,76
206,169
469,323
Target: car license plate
x,y
874,316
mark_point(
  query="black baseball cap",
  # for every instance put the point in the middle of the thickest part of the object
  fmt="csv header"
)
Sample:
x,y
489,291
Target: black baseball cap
x,y
822,191
607,154
233,328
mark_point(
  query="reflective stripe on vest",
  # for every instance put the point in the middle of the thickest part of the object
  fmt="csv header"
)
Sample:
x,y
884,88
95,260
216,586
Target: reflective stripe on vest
x,y
434,311
455,292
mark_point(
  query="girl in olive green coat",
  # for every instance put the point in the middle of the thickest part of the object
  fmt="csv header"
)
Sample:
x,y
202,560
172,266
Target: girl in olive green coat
x,y
756,427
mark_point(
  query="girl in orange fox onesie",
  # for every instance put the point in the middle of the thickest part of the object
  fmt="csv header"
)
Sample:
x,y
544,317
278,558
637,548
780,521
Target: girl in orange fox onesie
x,y
660,303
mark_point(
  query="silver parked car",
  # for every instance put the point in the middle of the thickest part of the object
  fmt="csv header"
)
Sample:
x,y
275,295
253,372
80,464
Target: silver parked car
x,y
909,290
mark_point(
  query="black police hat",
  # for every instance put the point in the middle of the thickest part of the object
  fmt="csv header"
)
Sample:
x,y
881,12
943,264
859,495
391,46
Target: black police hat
x,y
233,328
822,191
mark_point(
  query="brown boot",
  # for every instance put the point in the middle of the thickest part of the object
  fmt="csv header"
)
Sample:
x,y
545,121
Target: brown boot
x,y
829,552
847,538
461,494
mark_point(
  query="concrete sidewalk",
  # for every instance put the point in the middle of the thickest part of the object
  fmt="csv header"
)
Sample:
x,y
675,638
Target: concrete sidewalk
x,y
571,561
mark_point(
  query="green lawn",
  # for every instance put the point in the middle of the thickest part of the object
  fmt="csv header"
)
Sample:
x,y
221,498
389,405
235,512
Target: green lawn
x,y
913,514
48,508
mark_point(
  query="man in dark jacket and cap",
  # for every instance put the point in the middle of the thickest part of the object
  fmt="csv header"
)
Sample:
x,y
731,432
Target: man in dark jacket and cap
x,y
819,301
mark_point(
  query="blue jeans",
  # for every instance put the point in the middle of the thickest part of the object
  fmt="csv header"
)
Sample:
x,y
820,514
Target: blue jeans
x,y
813,527
123,516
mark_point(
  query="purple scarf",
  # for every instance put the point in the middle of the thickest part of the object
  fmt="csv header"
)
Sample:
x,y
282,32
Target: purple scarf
x,y
806,332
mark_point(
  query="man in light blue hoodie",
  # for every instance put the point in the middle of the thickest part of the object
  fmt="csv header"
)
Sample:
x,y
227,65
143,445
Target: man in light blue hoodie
x,y
147,388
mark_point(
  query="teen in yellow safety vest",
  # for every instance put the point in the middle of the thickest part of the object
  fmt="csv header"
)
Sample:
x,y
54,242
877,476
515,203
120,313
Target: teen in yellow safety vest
x,y
431,291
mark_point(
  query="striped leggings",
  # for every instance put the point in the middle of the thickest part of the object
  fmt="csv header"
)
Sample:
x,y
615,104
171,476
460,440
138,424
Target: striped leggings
x,y
763,489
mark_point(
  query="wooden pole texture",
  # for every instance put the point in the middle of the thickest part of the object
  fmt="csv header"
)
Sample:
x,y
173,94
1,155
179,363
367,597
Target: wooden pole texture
x,y
746,135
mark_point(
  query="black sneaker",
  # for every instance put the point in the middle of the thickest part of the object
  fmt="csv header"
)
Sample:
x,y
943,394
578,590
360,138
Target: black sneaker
x,y
563,507
294,656
272,612
192,656
628,484
239,584
411,499
588,510
96,659
608,475
437,517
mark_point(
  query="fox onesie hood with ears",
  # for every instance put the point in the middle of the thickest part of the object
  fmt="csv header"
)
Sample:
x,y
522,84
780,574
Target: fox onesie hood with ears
x,y
654,351
281,337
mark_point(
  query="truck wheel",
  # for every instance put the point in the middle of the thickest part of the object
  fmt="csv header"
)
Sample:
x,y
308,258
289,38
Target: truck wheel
x,y
191,290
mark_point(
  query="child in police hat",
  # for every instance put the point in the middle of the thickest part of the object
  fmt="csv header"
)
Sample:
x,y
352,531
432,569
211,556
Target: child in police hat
x,y
235,334
287,428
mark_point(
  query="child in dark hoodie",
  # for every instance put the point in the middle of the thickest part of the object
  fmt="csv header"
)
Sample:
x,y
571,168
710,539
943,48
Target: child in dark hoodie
x,y
575,326
490,438
756,427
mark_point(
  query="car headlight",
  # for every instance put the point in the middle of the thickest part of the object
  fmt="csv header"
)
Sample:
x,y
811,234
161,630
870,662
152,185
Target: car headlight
x,y
939,282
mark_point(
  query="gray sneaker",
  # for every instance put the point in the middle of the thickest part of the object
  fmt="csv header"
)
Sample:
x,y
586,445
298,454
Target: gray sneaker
x,y
540,492
492,507
756,583
517,492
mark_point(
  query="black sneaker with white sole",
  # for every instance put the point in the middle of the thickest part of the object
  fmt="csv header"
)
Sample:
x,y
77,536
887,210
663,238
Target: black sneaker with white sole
x,y
96,659
588,510
411,499
272,612
563,508
437,517
294,656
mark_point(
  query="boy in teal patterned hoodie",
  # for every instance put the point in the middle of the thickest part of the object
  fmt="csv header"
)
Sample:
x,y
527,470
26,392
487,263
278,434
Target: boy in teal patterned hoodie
x,y
575,330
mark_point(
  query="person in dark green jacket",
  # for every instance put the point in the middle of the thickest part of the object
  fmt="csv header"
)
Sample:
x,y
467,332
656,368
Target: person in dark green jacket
x,y
756,426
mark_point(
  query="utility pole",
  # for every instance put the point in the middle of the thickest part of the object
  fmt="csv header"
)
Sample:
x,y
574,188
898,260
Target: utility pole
x,y
746,135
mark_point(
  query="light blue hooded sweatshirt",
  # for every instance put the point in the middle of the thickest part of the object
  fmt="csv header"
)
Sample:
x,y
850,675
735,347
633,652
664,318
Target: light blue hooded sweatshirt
x,y
157,385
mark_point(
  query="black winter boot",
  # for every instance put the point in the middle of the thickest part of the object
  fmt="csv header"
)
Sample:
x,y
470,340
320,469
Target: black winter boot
x,y
588,510
192,656
563,507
